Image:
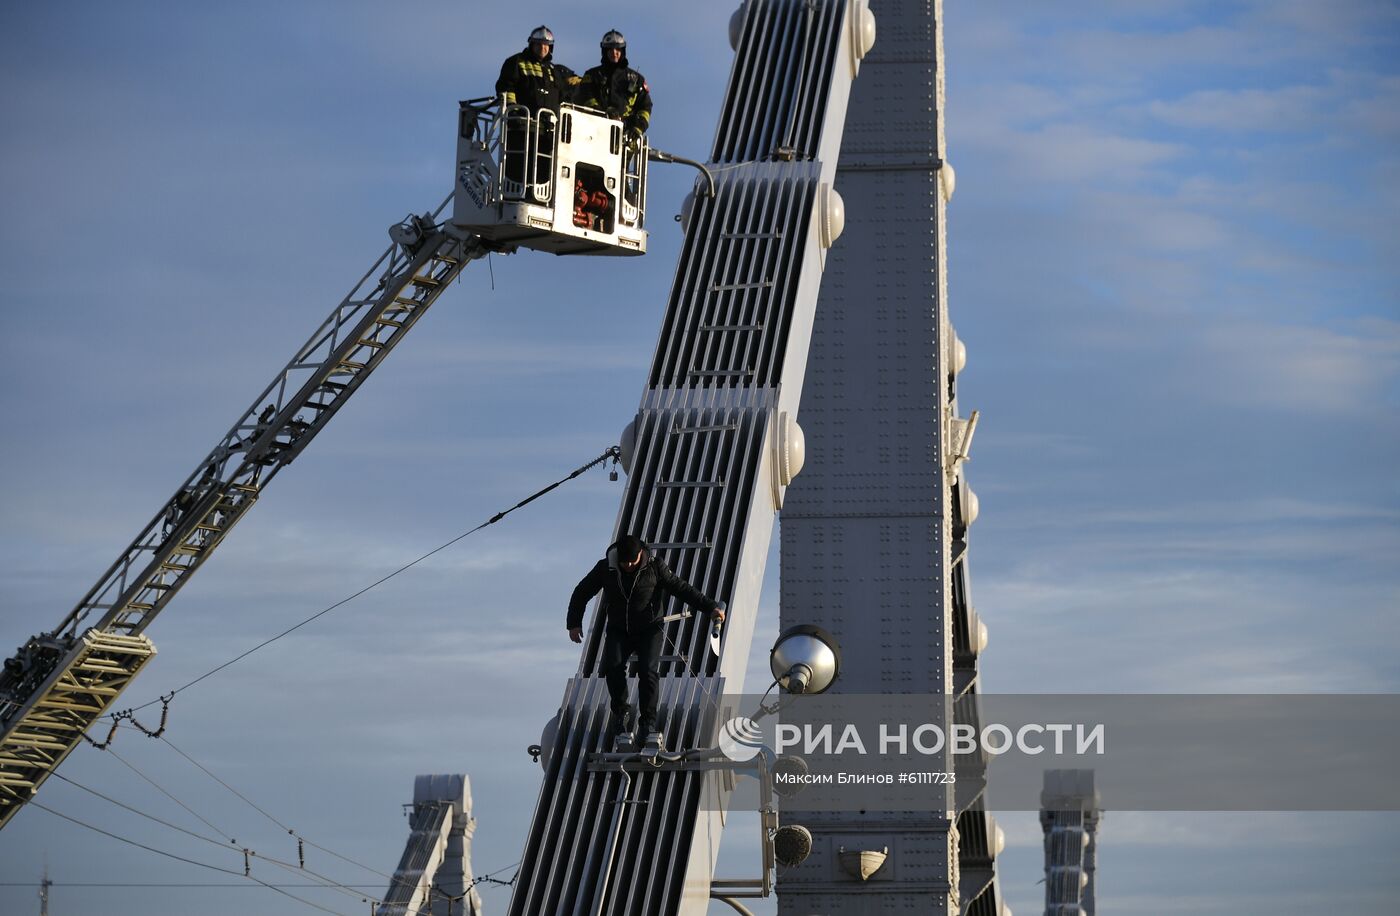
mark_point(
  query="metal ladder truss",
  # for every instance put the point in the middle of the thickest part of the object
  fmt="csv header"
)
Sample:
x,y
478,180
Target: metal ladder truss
x,y
354,339
80,688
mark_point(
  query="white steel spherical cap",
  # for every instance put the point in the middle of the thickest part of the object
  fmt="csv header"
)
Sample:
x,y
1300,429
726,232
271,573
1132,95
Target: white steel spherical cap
x,y
628,446
736,27
831,216
947,181
793,446
970,506
865,30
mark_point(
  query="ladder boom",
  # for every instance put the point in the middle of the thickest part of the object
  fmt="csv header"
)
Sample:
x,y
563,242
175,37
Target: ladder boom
x,y
355,338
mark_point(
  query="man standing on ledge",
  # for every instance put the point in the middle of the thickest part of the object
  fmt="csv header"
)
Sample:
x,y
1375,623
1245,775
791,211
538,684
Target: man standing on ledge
x,y
633,586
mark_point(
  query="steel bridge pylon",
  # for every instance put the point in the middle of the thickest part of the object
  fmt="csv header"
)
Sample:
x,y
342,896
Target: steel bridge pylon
x,y
1069,817
874,530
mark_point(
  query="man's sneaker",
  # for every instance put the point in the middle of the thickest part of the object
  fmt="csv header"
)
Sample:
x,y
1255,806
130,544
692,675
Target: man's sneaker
x,y
623,739
653,743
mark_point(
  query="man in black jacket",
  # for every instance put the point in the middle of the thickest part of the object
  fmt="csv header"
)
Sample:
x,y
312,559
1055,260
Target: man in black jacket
x,y
616,88
633,585
532,78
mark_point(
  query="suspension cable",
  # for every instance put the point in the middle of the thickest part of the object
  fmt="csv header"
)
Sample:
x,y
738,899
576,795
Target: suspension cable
x,y
613,453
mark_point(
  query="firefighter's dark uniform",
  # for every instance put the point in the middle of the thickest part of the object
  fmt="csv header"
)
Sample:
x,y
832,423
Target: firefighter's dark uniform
x,y
620,91
539,85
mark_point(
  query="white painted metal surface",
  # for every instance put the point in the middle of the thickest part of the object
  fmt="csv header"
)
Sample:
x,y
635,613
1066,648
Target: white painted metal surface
x,y
434,875
703,461
578,155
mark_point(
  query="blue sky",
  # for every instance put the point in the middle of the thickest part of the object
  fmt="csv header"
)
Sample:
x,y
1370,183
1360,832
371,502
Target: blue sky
x,y
1173,259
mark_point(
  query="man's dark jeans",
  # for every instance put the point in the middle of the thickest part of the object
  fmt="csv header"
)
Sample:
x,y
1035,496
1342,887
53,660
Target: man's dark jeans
x,y
618,647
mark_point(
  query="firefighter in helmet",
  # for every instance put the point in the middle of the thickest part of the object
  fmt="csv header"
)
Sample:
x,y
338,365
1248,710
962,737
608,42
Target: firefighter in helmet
x,y
616,88
531,78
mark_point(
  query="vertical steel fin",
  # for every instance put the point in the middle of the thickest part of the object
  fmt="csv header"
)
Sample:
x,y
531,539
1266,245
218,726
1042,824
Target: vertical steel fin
x,y
730,357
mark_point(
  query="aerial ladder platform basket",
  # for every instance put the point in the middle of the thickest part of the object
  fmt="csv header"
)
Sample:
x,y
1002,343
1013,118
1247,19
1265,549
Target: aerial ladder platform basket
x,y
567,182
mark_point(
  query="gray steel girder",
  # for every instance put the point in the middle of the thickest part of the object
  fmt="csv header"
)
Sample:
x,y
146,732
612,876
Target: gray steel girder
x,y
874,547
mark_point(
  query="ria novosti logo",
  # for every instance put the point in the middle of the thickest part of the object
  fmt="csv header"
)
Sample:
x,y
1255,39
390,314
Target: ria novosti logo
x,y
740,739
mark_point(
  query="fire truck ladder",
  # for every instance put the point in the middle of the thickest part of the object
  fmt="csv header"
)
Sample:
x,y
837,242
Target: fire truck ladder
x,y
61,682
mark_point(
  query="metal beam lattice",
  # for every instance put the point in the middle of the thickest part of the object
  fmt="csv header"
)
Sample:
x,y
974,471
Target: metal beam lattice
x,y
353,340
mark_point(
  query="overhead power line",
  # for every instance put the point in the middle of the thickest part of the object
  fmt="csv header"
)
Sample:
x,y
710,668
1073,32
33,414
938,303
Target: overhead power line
x,y
122,839
291,832
179,858
137,811
231,844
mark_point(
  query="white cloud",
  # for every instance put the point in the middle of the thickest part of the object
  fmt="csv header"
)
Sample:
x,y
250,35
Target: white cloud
x,y
1303,369
1161,610
1337,26
1156,225
1066,153
1018,103
1375,114
1283,110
